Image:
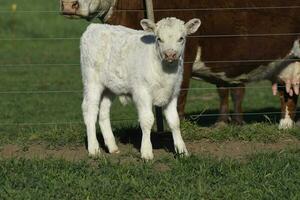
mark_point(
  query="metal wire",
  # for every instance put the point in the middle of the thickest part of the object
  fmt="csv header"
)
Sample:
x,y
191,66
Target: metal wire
x,y
188,62
39,39
41,92
80,91
41,64
195,36
236,114
215,9
194,117
168,10
58,123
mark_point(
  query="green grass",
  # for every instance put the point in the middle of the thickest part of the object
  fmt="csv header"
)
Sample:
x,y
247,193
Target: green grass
x,y
264,176
36,65
263,132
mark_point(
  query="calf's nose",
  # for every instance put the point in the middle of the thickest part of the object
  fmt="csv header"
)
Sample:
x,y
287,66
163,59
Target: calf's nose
x,y
170,55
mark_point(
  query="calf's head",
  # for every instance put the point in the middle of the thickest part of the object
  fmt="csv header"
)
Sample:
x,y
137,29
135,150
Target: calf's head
x,y
171,36
85,8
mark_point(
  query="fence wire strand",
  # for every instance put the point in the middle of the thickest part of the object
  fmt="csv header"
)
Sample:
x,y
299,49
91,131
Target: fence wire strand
x,y
188,62
193,36
169,10
193,117
80,91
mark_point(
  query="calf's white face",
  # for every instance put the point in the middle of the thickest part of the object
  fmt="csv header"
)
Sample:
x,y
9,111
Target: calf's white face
x,y
171,36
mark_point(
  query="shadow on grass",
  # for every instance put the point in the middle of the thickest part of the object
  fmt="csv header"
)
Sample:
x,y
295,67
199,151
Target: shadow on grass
x,y
132,134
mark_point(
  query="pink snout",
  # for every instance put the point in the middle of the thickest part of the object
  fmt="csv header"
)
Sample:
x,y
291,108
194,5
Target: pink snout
x,y
69,8
170,55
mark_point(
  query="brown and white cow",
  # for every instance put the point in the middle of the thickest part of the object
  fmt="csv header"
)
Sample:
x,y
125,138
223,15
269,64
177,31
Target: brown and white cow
x,y
284,71
237,38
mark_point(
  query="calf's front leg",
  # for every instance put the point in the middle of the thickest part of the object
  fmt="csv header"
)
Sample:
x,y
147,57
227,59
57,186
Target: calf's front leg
x,y
143,103
172,117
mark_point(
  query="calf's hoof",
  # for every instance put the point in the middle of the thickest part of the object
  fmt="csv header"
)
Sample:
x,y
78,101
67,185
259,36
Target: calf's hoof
x,y
146,151
181,150
113,149
95,153
147,156
286,123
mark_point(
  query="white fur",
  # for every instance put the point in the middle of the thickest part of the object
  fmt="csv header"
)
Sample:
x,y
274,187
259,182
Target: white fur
x,y
286,122
116,60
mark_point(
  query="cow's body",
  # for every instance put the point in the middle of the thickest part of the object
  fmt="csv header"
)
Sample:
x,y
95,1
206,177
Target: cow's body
x,y
237,37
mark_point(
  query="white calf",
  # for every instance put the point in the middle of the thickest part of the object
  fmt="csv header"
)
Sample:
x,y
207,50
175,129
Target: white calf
x,y
146,66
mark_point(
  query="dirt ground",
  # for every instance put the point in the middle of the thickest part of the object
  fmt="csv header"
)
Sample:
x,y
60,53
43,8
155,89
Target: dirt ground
x,y
231,149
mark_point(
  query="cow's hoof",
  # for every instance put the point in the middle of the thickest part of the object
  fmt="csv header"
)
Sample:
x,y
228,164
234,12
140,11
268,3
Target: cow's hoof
x,y
220,124
239,122
286,123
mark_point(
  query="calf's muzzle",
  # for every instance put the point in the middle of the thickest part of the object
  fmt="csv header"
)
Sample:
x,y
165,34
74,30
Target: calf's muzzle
x,y
170,55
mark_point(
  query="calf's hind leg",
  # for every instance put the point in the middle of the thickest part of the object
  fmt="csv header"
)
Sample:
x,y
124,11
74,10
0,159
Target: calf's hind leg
x,y
104,122
90,107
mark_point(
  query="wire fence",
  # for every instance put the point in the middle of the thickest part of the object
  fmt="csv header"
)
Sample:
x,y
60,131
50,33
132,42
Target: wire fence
x,y
80,91
192,36
193,117
187,62
169,10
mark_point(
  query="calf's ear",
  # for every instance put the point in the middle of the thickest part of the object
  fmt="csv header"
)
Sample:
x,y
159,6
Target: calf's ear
x,y
148,25
192,26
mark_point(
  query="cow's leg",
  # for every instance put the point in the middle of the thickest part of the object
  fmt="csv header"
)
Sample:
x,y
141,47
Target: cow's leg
x,y
104,122
184,89
90,107
174,124
288,109
224,104
143,103
237,95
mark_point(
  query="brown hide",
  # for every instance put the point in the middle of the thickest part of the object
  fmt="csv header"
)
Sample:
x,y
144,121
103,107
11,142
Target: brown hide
x,y
225,22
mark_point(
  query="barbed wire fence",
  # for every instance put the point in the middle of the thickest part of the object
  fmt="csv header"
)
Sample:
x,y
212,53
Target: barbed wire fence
x,y
24,66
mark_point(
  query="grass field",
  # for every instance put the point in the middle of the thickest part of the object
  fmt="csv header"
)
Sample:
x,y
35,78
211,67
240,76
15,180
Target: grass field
x,y
40,89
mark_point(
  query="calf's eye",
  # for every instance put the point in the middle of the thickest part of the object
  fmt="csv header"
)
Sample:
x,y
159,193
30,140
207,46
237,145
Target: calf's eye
x,y
181,39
